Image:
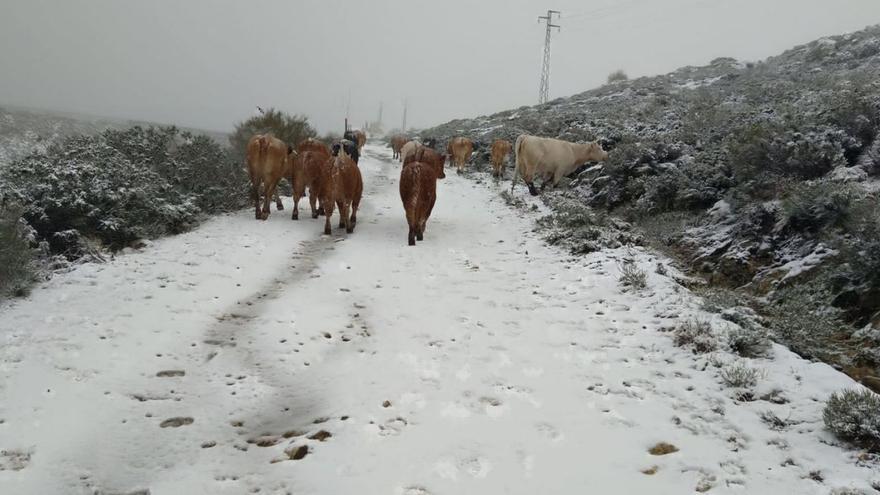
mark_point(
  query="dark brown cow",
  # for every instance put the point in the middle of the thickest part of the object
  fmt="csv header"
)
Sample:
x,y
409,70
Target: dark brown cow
x,y
343,186
418,191
268,159
397,143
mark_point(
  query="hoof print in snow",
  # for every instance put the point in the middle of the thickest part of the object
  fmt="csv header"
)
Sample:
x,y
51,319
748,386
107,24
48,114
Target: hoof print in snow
x,y
209,444
663,448
387,403
297,452
292,433
176,422
651,470
320,420
170,373
236,424
321,436
327,335
265,441
14,460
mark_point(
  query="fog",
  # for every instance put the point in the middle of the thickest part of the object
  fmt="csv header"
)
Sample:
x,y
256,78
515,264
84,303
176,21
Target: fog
x,y
209,63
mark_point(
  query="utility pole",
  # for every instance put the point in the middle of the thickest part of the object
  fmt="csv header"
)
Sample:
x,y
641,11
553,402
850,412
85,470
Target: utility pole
x,y
403,127
544,91
347,110
379,120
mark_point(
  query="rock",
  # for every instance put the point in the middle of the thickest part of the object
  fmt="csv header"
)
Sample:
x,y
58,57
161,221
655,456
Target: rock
x,y
296,453
663,448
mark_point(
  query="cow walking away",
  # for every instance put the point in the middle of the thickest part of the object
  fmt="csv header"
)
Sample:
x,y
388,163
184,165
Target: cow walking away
x,y
307,174
418,191
342,186
551,159
500,149
268,159
358,137
461,148
397,143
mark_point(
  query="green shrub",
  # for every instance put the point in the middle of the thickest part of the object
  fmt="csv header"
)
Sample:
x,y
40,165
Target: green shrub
x,y
854,416
121,186
289,128
16,267
811,207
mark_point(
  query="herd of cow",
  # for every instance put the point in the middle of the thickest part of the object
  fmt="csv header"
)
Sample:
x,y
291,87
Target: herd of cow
x,y
332,176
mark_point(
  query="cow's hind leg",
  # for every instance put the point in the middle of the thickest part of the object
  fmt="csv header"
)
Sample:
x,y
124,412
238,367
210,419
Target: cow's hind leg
x,y
270,191
340,205
278,204
328,212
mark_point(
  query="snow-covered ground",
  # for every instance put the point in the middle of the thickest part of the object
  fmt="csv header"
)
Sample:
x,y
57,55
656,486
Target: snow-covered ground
x,y
479,362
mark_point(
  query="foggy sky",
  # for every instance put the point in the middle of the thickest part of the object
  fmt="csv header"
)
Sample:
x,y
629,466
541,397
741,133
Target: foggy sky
x,y
209,63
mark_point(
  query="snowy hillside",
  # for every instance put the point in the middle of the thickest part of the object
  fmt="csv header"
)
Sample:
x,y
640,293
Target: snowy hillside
x,y
759,177
25,131
262,357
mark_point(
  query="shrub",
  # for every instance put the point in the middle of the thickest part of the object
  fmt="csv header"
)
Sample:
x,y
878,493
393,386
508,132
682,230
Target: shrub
x,y
854,416
749,341
16,268
739,375
696,335
633,277
618,75
769,147
121,186
810,208
289,128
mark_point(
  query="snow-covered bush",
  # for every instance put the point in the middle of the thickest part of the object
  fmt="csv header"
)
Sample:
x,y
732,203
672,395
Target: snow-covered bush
x,y
633,277
749,341
854,416
121,186
812,207
16,269
696,335
762,148
739,375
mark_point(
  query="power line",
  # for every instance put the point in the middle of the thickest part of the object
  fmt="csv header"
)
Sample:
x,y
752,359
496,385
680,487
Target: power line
x,y
544,90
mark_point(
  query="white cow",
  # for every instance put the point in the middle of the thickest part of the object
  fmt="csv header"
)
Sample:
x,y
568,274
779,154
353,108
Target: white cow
x,y
551,159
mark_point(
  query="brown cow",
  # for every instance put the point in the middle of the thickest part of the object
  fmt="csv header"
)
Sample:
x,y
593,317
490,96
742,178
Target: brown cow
x,y
462,148
307,173
312,144
268,159
397,143
500,149
427,155
418,191
361,138
342,185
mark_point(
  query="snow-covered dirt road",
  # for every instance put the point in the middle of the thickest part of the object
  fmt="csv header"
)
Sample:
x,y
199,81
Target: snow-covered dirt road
x,y
479,362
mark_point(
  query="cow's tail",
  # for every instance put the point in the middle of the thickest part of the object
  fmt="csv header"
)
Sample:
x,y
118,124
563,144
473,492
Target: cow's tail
x,y
516,168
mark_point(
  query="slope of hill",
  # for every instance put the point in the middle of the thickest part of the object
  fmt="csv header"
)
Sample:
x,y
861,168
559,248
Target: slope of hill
x,y
762,177
23,130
